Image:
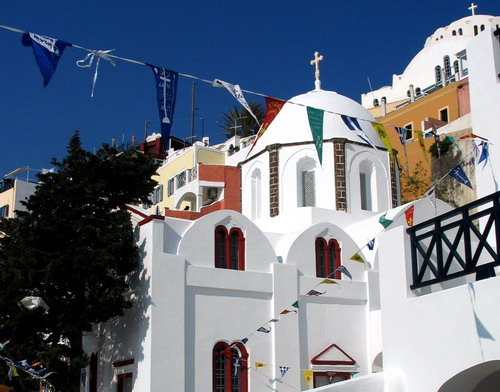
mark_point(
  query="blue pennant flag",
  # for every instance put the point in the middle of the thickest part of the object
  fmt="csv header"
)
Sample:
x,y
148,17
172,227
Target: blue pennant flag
x,y
353,125
283,370
484,152
458,174
47,53
371,244
244,340
345,271
166,91
263,329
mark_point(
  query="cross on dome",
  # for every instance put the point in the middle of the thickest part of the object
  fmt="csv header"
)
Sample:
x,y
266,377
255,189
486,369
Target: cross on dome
x,y
472,8
315,62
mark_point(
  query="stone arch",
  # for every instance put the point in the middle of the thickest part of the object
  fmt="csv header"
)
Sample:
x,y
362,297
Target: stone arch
x,y
483,377
187,201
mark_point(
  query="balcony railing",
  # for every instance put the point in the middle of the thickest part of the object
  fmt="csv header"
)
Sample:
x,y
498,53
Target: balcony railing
x,y
454,245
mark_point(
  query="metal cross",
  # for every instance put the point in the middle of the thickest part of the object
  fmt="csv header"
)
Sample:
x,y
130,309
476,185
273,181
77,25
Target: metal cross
x,y
472,8
317,59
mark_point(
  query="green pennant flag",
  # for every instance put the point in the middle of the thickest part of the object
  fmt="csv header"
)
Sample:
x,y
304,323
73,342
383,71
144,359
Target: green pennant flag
x,y
296,304
315,117
384,222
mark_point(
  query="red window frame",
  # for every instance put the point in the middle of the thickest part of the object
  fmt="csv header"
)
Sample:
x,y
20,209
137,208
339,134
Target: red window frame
x,y
229,248
344,375
327,258
224,377
120,379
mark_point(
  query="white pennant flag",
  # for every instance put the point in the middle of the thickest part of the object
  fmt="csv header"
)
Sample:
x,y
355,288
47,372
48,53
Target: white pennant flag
x,y
235,90
431,195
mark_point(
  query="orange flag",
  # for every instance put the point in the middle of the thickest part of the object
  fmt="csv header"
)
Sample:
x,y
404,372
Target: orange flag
x,y
273,107
409,215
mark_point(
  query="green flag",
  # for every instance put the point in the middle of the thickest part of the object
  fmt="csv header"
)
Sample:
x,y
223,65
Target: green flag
x,y
384,222
315,117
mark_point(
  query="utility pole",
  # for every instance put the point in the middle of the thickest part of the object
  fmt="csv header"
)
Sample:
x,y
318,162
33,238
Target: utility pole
x,y
192,111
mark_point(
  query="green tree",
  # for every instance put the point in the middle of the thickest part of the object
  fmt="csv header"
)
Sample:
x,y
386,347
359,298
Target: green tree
x,y
239,120
74,248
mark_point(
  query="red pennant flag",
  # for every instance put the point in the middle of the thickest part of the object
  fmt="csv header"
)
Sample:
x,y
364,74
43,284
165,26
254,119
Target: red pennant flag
x,y
409,215
273,107
286,311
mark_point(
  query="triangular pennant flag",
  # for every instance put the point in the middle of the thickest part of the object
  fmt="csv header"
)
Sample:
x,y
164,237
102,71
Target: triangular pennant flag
x,y
315,117
47,53
273,320
358,258
371,244
384,221
345,271
296,304
264,330
420,136
431,196
315,293
166,91
473,136
484,152
402,135
353,125
244,340
458,174
451,140
328,281
286,311
259,364
308,375
409,215
273,107
379,128
236,92
2,345
283,370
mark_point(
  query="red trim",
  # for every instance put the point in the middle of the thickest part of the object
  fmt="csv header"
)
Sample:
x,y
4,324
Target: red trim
x,y
123,363
323,260
316,361
222,240
345,375
135,211
229,352
150,218
121,377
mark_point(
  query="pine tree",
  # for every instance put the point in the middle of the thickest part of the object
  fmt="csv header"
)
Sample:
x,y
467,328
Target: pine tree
x,y
74,248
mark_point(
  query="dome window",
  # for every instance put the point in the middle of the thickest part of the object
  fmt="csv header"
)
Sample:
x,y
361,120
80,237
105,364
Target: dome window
x,y
482,27
476,30
375,102
460,31
454,32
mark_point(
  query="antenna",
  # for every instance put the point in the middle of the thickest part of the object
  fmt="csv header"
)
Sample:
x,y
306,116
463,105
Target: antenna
x,y
371,89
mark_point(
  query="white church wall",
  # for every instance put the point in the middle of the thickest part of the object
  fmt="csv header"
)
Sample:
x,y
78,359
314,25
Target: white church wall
x,y
432,337
483,54
292,161
378,189
198,243
248,193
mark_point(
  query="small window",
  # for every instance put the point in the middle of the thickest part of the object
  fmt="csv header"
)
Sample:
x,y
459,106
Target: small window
x,y
229,368
327,378
456,68
375,102
327,258
437,72
418,91
4,211
476,30
447,66
124,382
409,131
171,187
308,189
157,195
454,32
443,114
181,179
482,27
229,248
460,31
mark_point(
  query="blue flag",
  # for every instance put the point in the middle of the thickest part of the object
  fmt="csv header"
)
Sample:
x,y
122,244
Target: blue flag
x,y
166,91
458,174
47,53
484,152
402,134
353,125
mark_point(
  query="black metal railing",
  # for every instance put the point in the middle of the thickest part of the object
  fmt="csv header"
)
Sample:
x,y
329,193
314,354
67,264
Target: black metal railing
x,y
461,242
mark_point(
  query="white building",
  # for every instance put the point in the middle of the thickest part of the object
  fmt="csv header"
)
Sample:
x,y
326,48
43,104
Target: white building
x,y
254,301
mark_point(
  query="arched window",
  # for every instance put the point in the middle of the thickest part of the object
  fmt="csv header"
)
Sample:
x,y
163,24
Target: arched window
x,y
229,248
460,31
454,32
437,71
229,368
447,66
375,102
327,258
306,183
476,30
256,194
456,68
367,186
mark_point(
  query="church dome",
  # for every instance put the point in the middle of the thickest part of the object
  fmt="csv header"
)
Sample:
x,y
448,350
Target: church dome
x,y
291,125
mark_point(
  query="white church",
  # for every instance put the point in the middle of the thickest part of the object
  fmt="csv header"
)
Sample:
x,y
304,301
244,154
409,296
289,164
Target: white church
x,y
321,279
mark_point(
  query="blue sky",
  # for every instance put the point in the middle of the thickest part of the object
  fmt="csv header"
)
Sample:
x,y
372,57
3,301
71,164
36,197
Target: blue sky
x,y
265,46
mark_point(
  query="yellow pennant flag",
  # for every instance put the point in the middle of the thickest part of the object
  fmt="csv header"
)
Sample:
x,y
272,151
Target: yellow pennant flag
x,y
329,281
308,375
259,364
379,128
420,136
358,258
